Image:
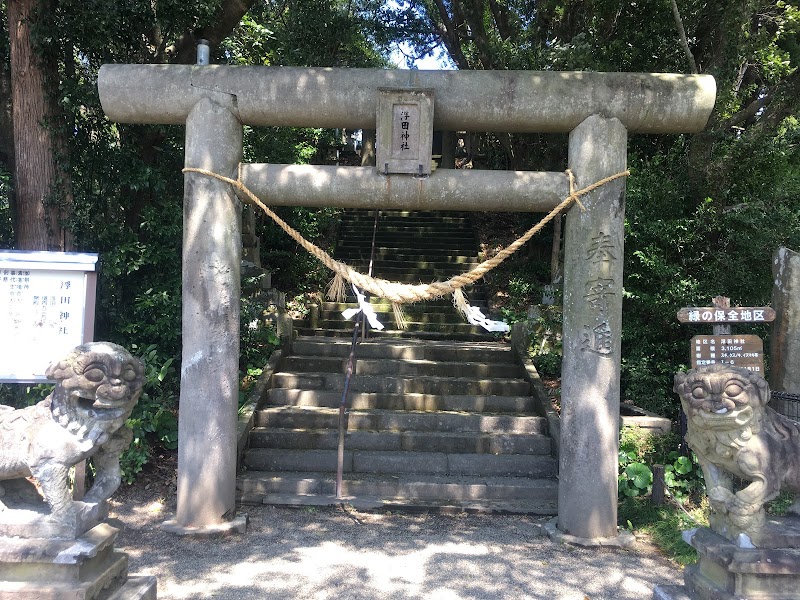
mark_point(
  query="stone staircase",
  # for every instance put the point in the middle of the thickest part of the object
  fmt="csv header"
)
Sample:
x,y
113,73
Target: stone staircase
x,y
439,416
411,247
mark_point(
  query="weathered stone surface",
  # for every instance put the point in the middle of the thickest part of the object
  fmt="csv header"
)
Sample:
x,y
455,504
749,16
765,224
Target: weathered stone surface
x,y
515,101
37,522
82,568
359,187
726,571
137,587
230,527
97,386
785,348
587,499
210,304
736,435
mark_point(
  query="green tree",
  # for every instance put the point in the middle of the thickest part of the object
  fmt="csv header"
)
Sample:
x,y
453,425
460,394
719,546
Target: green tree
x,y
704,212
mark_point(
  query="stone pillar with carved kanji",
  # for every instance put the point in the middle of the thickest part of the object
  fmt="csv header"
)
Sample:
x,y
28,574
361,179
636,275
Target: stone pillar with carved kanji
x,y
587,499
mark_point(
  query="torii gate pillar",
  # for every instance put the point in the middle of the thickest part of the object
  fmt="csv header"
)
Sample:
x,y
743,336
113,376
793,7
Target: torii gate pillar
x,y
212,255
593,244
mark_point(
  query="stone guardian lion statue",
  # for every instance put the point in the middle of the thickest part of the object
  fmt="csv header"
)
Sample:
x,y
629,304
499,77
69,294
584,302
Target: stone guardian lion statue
x,y
736,435
97,386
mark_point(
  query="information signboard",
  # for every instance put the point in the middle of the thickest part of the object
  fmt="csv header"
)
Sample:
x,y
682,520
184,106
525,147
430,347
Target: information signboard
x,y
746,351
47,302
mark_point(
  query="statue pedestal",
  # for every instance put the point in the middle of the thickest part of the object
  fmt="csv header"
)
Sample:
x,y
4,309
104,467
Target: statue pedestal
x,y
79,568
725,571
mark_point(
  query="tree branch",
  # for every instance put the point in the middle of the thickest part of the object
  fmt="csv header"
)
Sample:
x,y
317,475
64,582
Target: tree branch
x,y
225,20
447,28
682,34
771,105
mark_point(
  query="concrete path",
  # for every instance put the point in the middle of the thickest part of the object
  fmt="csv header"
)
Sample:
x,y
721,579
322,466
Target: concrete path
x,y
327,553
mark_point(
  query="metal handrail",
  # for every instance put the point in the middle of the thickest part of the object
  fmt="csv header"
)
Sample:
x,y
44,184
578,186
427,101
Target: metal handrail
x,y
349,371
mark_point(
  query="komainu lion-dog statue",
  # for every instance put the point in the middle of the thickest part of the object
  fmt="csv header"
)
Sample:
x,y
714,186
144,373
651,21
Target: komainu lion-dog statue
x,y
736,435
97,386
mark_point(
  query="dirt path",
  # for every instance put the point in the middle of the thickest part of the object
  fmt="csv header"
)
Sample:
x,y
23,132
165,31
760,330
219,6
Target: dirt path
x,y
336,554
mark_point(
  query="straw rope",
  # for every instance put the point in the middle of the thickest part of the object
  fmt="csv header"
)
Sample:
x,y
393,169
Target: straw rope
x,y
400,293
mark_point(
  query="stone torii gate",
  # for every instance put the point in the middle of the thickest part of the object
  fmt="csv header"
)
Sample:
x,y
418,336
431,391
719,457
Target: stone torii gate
x,y
597,109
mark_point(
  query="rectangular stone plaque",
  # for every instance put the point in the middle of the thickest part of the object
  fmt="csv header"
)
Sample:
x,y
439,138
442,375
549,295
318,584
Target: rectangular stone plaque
x,y
737,314
46,309
404,134
746,351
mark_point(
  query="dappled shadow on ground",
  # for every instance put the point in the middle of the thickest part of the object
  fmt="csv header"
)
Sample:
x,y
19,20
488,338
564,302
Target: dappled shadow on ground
x,y
331,553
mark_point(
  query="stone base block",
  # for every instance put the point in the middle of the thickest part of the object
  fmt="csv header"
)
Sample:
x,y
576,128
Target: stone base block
x,y
727,571
625,539
137,587
236,525
670,592
28,516
82,568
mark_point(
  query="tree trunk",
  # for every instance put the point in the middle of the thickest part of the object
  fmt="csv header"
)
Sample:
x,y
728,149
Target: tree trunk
x,y
38,223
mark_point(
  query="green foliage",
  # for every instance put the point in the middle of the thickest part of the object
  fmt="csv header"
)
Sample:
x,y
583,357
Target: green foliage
x,y
155,416
258,336
663,525
546,349
294,269
6,225
20,395
640,450
779,505
636,479
679,254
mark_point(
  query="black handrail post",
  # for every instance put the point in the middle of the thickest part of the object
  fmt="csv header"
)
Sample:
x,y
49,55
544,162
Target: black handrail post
x,y
351,367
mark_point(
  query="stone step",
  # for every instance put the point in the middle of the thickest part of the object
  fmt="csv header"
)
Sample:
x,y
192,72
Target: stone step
x,y
381,305
504,494
395,230
419,311
412,326
416,313
458,262
424,384
476,295
450,442
364,252
299,417
347,252
407,349
414,277
402,462
404,402
465,240
397,367
391,217
419,218
432,270
388,333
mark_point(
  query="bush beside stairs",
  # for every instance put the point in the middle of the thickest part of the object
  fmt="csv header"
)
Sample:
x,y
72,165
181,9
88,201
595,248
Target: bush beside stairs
x,y
440,415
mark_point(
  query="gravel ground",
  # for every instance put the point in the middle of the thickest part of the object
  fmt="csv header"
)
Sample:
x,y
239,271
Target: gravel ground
x,y
322,553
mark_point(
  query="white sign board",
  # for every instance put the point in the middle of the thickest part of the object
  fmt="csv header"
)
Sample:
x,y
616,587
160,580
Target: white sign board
x,y
47,302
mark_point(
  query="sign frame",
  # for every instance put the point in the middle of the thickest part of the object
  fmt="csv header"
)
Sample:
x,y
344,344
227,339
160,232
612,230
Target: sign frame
x,y
38,267
388,159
